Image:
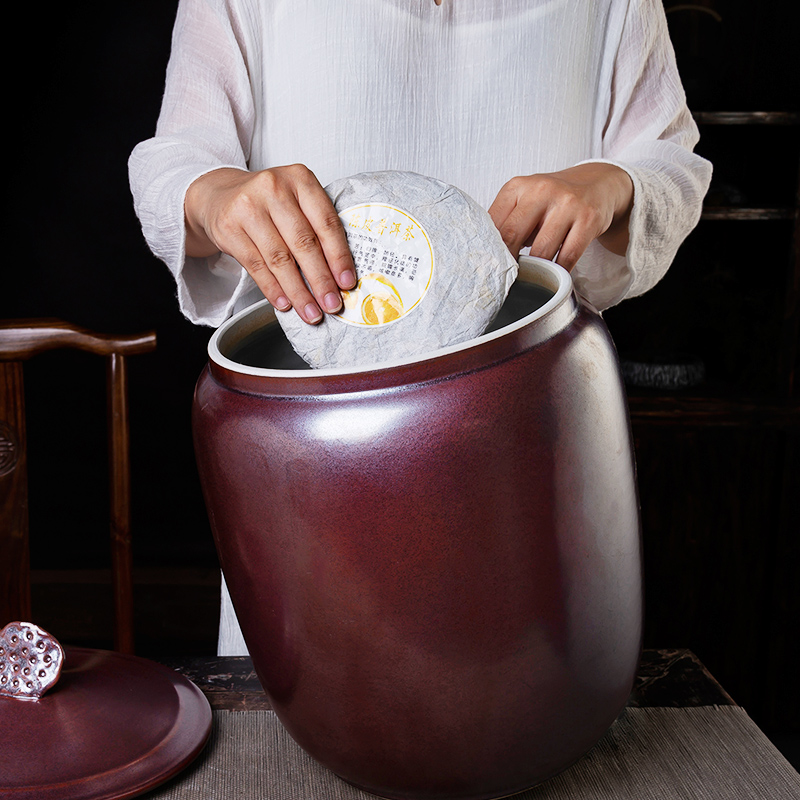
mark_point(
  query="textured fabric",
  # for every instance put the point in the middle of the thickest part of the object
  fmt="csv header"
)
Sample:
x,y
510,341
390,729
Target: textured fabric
x,y
709,753
231,640
470,92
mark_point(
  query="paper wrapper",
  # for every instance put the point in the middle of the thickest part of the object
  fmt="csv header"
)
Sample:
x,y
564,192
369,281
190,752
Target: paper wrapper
x,y
432,271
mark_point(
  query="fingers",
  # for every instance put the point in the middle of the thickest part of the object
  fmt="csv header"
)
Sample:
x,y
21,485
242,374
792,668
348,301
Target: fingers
x,y
319,211
283,229
294,255
564,233
514,217
272,266
248,254
556,214
573,246
302,243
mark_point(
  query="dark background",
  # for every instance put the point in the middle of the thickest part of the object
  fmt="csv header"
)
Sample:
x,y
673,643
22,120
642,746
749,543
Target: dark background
x,y
718,489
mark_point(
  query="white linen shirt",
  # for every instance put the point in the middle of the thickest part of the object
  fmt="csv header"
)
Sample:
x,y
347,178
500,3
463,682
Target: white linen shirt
x,y
470,92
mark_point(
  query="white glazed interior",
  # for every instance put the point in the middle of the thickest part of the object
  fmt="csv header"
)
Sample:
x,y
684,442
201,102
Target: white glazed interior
x,y
239,327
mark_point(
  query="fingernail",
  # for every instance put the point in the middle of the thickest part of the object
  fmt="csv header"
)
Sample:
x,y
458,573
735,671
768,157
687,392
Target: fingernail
x,y
333,301
283,304
312,313
347,279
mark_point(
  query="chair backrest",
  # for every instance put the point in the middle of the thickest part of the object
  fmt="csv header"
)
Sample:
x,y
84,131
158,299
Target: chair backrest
x,y
20,340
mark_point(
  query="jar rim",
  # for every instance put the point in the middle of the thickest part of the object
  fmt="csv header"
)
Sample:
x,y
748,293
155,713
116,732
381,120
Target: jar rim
x,y
540,271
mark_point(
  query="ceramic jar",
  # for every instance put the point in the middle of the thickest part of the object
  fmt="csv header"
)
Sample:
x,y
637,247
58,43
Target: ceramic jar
x,y
435,563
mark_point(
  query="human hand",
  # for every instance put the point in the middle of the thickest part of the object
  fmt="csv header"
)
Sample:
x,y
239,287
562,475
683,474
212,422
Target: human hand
x,y
558,214
280,226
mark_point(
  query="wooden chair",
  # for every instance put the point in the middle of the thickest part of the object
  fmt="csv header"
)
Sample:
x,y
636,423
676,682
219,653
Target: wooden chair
x,y
19,341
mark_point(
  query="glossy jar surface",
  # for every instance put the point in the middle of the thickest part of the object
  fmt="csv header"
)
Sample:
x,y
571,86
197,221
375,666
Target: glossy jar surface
x,y
435,563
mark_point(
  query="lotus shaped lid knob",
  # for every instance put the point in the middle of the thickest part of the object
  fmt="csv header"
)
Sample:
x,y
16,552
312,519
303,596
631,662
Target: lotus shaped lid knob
x,y
30,661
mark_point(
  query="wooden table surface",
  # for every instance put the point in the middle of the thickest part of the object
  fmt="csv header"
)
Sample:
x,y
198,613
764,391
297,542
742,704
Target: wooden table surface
x,y
672,678
682,735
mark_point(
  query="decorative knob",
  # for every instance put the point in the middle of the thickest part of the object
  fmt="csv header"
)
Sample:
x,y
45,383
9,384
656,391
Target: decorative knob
x,y
30,661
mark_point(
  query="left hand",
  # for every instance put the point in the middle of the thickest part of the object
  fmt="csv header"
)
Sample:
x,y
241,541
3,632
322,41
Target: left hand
x,y
557,214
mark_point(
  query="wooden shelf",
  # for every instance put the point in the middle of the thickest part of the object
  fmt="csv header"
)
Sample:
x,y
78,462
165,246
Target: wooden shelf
x,y
742,118
713,411
747,117
743,214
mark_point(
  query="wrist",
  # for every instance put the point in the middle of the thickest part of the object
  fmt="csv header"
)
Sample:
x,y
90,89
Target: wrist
x,y
198,199
620,186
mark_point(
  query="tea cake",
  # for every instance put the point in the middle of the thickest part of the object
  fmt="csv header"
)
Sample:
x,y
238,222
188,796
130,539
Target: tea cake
x,y
431,266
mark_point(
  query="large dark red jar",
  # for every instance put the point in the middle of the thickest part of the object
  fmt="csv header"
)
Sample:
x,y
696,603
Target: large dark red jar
x,y
435,563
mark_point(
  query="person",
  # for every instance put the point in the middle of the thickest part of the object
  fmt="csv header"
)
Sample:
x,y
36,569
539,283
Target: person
x,y
565,119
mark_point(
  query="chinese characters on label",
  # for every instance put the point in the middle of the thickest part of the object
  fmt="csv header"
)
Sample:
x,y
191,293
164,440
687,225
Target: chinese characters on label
x,y
373,257
394,264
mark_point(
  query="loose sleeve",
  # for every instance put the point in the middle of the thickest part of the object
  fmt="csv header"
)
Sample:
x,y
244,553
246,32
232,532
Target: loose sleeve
x,y
650,133
206,122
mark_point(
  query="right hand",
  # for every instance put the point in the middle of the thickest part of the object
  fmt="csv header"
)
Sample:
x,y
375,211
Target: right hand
x,y
277,223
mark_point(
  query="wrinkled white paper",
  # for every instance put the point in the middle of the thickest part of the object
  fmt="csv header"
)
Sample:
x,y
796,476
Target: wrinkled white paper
x,y
432,267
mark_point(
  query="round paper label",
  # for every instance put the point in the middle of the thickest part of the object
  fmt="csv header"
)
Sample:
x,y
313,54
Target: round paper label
x,y
394,264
